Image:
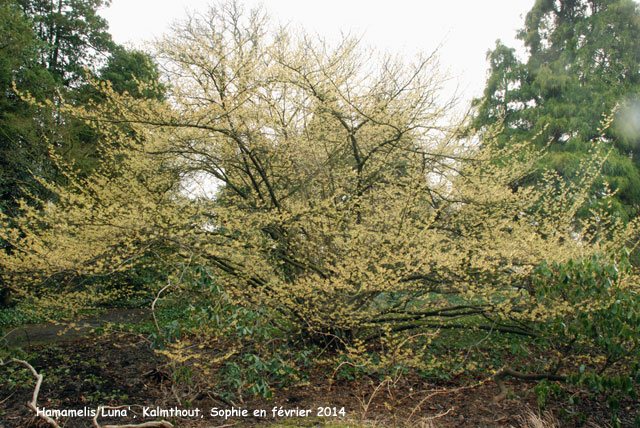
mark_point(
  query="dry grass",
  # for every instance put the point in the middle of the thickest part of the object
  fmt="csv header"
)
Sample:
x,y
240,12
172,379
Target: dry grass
x,y
531,419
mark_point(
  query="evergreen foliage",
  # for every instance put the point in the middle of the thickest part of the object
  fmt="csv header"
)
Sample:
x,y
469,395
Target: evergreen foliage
x,y
583,62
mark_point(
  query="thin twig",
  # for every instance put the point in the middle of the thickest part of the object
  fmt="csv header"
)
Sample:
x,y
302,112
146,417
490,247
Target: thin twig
x,y
439,415
33,404
365,407
444,391
153,306
348,363
9,396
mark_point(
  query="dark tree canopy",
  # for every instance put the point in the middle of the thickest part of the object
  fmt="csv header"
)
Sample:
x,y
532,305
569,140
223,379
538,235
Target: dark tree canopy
x,y
22,149
583,62
51,48
73,36
127,68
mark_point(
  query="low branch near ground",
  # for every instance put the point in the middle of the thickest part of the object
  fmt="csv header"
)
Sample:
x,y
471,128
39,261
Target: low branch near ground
x,y
33,404
450,312
506,371
419,324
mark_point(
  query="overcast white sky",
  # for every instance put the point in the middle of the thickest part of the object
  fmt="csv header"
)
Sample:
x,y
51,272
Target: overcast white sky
x,y
466,29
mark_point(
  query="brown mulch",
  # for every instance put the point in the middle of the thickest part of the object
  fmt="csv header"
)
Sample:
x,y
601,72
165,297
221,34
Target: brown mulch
x,y
122,369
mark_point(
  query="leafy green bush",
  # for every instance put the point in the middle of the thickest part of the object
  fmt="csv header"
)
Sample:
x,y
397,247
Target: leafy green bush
x,y
594,323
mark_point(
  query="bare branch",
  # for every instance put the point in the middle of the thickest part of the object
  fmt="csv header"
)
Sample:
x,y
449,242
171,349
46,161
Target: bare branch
x,y
33,404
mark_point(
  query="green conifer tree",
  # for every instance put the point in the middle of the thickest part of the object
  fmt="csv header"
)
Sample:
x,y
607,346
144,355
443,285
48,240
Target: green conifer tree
x,y
583,62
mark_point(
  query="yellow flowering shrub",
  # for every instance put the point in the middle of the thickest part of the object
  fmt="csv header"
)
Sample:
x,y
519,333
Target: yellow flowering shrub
x,y
343,202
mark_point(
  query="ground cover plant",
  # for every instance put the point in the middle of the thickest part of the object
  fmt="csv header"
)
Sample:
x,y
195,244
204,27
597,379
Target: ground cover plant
x,y
346,230
119,367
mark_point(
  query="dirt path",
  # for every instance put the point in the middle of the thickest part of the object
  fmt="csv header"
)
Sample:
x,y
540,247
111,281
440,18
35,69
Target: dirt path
x,y
35,334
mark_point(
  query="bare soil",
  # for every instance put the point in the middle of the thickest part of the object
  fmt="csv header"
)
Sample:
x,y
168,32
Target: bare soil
x,y
34,334
82,370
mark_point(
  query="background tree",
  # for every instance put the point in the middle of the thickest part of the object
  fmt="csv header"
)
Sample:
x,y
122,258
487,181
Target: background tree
x,y
51,49
23,150
583,61
75,46
132,71
73,37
